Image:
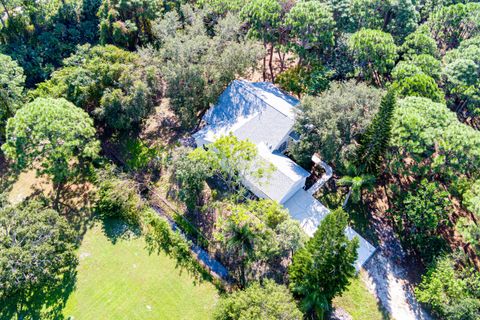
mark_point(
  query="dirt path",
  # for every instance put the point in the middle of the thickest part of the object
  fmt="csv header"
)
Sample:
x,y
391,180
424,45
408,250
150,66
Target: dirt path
x,y
387,278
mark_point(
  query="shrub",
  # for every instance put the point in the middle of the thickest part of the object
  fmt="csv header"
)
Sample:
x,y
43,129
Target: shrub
x,y
119,198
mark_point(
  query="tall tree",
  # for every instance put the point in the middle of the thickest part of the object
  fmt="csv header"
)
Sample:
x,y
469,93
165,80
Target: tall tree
x,y
118,88
52,136
39,35
374,53
419,216
197,66
12,81
311,28
452,24
36,255
418,125
374,143
128,23
419,85
263,17
357,181
322,269
332,123
232,160
462,80
267,301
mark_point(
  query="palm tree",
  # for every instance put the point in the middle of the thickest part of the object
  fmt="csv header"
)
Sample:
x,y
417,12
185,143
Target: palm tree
x,y
240,241
357,181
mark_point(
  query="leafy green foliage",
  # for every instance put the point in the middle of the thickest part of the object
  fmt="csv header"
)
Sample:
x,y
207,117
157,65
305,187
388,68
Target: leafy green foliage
x,y
435,143
116,87
450,292
450,25
119,198
471,198
263,17
197,67
311,28
40,35
36,254
256,236
12,81
376,139
374,53
52,136
322,269
357,181
399,18
190,175
128,24
331,123
269,301
470,232
305,80
419,216
160,237
462,75
232,160
419,42
419,85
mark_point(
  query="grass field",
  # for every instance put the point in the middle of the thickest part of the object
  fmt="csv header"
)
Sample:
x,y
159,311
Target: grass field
x,y
118,279
359,303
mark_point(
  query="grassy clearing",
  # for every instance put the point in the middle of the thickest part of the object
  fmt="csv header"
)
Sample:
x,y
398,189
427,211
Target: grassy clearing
x,y
118,279
359,302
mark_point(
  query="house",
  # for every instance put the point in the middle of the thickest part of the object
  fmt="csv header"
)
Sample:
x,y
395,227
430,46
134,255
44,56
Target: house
x,y
265,115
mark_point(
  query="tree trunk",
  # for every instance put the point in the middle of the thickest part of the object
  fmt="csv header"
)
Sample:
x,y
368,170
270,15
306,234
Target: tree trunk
x,y
58,187
348,197
265,62
270,63
6,10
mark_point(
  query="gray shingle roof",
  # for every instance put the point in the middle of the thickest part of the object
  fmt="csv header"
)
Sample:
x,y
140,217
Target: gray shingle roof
x,y
256,111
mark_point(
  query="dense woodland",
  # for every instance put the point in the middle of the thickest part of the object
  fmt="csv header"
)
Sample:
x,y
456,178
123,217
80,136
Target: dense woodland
x,y
390,98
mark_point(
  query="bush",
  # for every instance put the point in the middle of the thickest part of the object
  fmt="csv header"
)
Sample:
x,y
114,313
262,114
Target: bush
x,y
268,301
450,292
119,198
421,213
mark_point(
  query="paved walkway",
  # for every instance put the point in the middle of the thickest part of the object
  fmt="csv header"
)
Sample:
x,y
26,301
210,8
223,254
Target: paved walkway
x,y
213,266
382,271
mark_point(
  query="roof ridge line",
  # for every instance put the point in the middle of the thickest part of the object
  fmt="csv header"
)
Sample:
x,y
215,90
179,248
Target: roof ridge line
x,y
253,90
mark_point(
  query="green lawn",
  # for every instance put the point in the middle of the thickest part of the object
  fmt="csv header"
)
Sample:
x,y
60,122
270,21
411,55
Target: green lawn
x,y
122,281
359,302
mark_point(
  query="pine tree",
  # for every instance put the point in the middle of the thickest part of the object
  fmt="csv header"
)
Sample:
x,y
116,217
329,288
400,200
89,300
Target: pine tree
x,y
322,269
375,141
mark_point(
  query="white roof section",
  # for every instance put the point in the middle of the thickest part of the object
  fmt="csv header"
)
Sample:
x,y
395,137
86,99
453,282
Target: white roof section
x,y
304,208
257,111
279,183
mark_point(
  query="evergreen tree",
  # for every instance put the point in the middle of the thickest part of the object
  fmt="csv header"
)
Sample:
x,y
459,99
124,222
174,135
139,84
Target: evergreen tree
x,y
374,143
321,270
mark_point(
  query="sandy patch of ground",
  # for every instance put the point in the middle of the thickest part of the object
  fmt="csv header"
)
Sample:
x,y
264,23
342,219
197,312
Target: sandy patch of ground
x,y
28,184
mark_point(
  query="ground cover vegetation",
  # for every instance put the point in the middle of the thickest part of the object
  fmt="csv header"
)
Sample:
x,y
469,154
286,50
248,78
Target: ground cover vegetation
x,y
100,94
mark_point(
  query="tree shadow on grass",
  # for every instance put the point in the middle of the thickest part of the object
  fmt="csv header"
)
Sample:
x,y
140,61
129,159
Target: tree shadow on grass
x,y
46,303
116,229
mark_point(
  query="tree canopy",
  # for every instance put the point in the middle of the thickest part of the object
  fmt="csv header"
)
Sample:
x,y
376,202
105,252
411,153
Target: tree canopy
x,y
374,53
117,88
322,269
37,250
52,136
12,83
332,122
268,301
